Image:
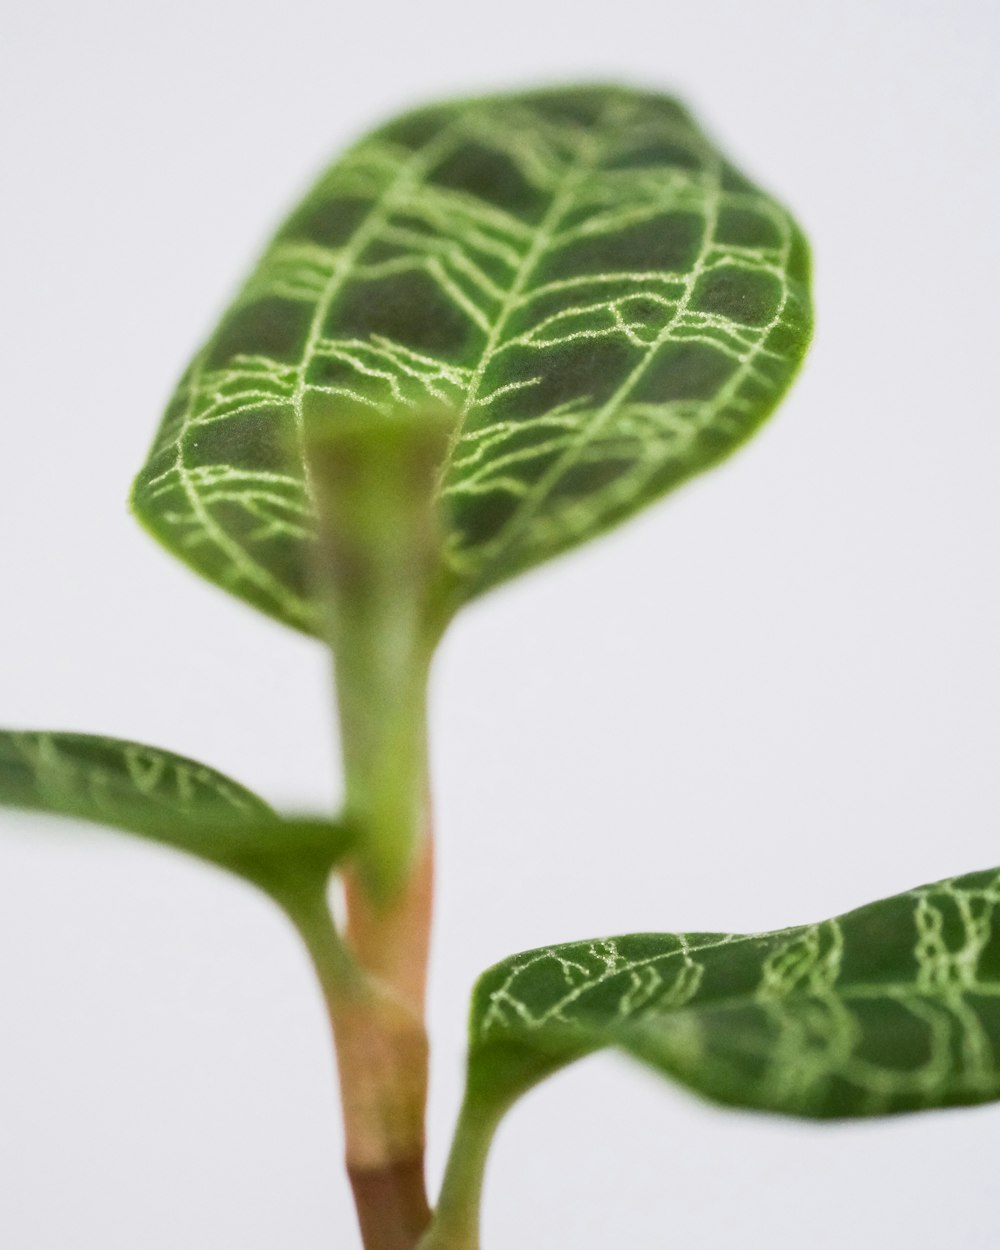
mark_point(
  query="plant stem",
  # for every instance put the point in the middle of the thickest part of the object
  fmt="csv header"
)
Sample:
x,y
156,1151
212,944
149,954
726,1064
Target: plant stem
x,y
386,1141
386,590
374,989
387,595
455,1225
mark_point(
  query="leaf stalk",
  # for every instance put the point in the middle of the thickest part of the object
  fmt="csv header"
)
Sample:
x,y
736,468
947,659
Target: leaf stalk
x,y
456,1221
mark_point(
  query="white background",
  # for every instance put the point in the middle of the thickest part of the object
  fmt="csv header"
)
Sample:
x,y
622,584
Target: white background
x,y
772,698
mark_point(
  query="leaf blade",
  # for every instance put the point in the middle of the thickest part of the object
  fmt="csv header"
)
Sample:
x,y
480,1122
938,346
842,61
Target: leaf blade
x,y
163,797
892,1007
579,273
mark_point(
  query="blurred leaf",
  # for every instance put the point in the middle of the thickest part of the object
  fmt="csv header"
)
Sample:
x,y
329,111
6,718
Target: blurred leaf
x,y
165,798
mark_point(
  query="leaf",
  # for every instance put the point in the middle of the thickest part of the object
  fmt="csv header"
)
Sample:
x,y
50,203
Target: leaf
x,y
165,798
606,304
892,1007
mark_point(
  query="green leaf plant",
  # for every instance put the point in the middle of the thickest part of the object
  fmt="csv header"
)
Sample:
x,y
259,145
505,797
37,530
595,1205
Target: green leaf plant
x,y
494,329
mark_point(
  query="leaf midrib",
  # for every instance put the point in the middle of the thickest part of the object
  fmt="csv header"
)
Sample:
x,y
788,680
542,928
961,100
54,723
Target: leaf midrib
x,y
541,237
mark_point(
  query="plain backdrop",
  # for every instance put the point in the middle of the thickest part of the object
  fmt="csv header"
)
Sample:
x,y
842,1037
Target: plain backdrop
x,y
771,698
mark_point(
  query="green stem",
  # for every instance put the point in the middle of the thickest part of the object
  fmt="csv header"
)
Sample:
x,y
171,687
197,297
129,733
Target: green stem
x,y
455,1225
388,598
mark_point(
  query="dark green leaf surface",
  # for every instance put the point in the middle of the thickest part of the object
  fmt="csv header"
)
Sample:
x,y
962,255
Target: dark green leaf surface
x,y
603,300
163,797
893,1007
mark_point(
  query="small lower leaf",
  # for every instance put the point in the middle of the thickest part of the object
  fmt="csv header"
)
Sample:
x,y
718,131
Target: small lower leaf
x,y
892,1007
165,798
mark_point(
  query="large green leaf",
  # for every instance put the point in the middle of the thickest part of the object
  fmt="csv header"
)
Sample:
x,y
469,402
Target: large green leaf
x,y
893,1007
605,303
166,798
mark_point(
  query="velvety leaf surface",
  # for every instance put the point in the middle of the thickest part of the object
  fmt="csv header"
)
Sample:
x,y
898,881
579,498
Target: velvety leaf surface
x,y
163,797
893,1007
603,300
